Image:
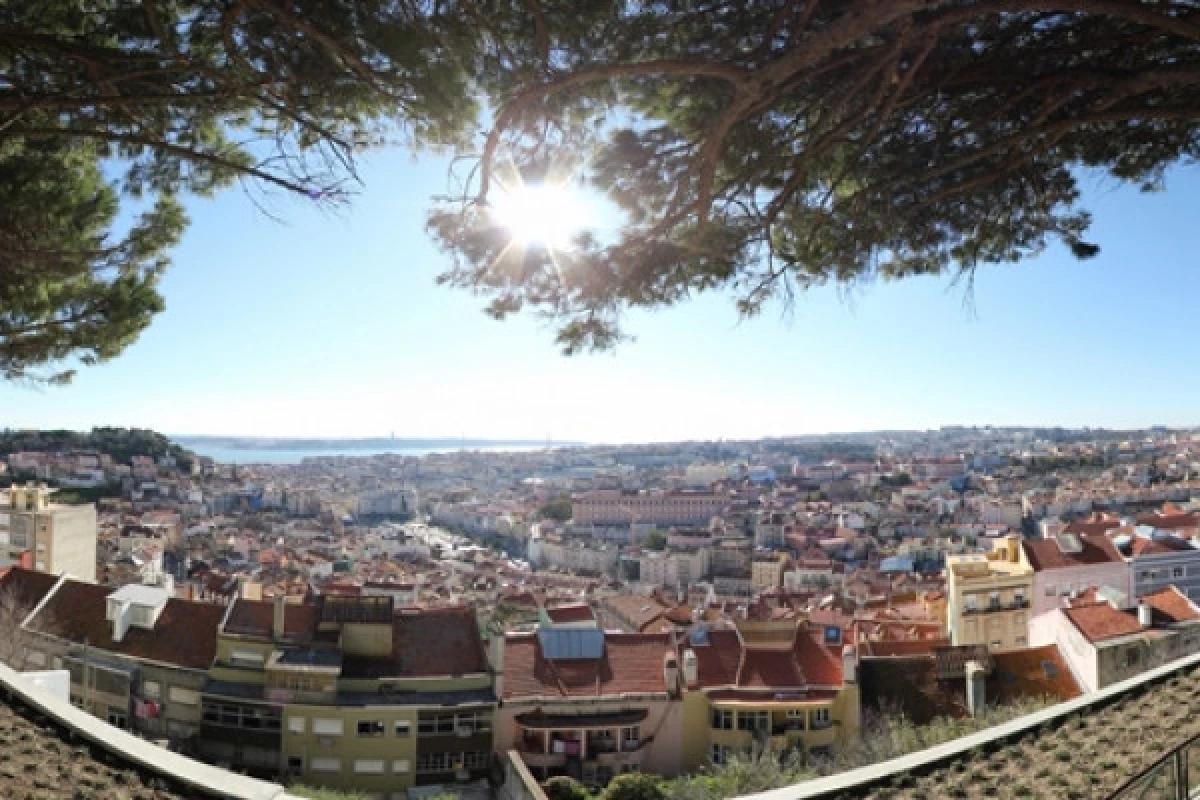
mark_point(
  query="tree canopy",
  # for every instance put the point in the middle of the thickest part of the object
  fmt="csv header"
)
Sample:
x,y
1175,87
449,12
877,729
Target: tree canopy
x,y
764,147
758,147
112,109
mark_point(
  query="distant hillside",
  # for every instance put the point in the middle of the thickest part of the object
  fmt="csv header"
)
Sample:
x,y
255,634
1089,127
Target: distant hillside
x,y
375,444
122,444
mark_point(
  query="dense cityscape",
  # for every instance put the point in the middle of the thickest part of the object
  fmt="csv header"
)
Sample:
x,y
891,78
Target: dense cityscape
x,y
383,624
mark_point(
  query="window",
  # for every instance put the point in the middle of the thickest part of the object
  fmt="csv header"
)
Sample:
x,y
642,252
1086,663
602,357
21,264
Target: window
x,y
371,766
246,658
1019,597
371,727
722,720
296,724
1132,657
994,600
328,727
325,765
752,720
36,657
1020,640
720,754
1051,590
1177,572
971,602
151,689
117,719
403,728
820,719
631,734
400,766
434,762
187,697
295,763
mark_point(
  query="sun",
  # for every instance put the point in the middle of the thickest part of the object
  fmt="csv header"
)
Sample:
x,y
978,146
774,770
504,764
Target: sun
x,y
542,214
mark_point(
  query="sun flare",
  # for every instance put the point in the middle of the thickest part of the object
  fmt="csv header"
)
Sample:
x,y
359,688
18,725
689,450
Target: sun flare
x,y
542,214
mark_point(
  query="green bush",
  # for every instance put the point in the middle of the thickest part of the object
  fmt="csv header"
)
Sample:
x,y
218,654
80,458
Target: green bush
x,y
564,788
634,786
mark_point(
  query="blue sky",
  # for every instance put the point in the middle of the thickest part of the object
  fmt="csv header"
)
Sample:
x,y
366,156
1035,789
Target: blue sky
x,y
330,325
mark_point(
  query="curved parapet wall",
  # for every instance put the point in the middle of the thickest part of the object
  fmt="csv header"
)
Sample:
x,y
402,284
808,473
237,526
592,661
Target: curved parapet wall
x,y
1076,747
195,778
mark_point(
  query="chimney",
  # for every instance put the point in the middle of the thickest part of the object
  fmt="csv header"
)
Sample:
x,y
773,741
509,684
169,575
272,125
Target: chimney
x,y
497,658
976,693
1145,614
277,626
671,673
691,667
849,664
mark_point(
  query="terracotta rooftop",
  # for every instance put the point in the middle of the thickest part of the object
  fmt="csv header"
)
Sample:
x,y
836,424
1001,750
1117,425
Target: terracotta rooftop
x,y
1100,621
1171,606
631,663
580,612
723,662
184,634
27,586
426,643
257,618
1045,554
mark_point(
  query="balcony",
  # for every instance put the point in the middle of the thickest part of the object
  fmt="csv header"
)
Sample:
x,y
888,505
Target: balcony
x,y
990,608
621,757
544,760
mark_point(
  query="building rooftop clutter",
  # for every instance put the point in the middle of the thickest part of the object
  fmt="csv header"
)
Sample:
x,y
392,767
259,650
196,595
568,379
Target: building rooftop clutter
x,y
1090,747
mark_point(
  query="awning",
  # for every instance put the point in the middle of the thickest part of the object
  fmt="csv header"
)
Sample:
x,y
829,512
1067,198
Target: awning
x,y
542,721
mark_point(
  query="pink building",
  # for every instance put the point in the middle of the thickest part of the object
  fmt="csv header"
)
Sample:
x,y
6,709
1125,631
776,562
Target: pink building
x,y
1069,563
610,507
601,703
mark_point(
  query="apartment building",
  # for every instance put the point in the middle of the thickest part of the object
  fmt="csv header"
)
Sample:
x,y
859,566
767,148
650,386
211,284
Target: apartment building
x,y
1067,564
589,703
1159,558
138,657
1105,644
767,569
778,684
58,538
349,692
661,508
988,597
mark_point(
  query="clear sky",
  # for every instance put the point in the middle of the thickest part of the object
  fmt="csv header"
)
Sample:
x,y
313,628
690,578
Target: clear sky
x,y
330,325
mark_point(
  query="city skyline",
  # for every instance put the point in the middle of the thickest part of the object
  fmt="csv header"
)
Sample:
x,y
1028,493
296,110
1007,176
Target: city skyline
x,y
330,325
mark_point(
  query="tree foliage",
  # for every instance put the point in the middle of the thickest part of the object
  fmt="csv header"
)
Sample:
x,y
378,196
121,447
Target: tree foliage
x,y
558,509
764,147
122,444
110,110
655,540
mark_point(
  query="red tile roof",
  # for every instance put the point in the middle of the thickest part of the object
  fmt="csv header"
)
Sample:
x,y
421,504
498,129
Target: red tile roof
x,y
631,663
725,662
257,618
185,633
426,643
28,587
1101,621
1096,523
574,613
1172,520
1045,554
1035,672
1171,605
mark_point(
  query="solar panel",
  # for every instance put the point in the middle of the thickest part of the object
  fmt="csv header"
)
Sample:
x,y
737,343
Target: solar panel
x,y
571,644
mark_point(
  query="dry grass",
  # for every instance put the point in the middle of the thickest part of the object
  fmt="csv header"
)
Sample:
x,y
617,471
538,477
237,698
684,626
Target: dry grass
x,y
37,763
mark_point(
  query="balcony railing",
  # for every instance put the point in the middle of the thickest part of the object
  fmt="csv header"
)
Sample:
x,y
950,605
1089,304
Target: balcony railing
x,y
1014,605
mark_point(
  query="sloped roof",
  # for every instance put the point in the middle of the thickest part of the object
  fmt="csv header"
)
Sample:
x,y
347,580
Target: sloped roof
x,y
1045,554
1100,621
579,612
1170,606
724,662
185,633
27,586
257,618
426,643
630,663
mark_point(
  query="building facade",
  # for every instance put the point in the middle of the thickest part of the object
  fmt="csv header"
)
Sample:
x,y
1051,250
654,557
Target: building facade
x,y
988,597
60,538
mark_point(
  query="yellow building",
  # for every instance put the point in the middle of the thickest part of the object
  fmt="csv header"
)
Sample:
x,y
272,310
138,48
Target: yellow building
x,y
766,570
350,693
777,684
988,597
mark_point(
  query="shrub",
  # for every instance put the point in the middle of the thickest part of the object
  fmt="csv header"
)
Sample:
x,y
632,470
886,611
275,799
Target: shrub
x,y
634,786
564,788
